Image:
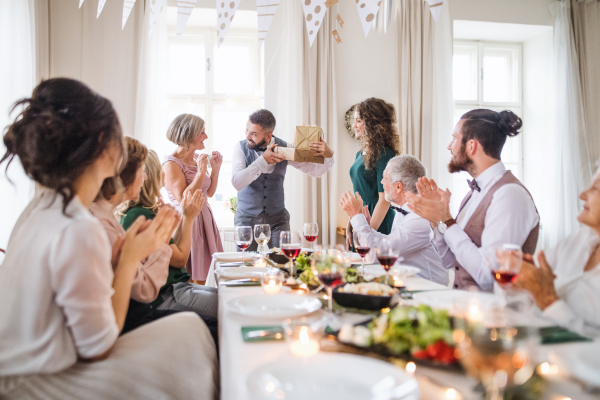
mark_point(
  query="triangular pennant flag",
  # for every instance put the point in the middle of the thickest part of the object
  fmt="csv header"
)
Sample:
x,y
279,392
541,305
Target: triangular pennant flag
x,y
265,9
314,11
184,10
367,11
436,8
80,3
225,11
127,6
156,7
100,7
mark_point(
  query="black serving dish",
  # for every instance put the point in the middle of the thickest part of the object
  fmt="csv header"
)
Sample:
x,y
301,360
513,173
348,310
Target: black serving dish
x,y
362,301
278,258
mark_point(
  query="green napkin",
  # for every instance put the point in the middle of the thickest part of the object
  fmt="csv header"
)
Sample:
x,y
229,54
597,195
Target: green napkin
x,y
557,334
247,283
248,329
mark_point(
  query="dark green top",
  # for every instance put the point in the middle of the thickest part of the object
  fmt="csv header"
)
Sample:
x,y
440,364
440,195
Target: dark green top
x,y
176,275
368,185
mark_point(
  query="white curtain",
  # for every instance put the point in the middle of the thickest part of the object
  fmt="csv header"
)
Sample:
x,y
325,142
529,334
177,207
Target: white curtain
x,y
572,164
17,78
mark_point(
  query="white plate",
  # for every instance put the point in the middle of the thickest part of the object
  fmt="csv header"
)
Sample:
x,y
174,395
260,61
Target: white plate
x,y
275,306
377,270
446,298
235,256
242,272
331,377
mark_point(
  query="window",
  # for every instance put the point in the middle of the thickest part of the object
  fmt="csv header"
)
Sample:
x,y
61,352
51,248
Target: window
x,y
222,86
488,75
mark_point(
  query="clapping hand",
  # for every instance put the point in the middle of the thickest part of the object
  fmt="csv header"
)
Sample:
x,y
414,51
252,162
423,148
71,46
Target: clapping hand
x,y
216,160
434,208
537,281
271,157
191,205
367,214
202,163
351,205
428,189
320,149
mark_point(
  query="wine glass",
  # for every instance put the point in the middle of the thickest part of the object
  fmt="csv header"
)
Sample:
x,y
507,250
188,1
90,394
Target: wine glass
x,y
311,232
387,252
504,263
243,238
329,269
262,235
361,245
290,243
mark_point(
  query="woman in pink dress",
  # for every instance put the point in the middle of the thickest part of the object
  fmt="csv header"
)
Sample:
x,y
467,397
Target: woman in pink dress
x,y
184,171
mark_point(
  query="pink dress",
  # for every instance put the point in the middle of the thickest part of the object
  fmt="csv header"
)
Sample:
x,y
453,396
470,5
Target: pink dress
x,y
205,234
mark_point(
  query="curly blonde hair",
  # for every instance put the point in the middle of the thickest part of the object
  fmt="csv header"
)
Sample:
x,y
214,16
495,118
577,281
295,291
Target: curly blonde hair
x,y
380,130
150,193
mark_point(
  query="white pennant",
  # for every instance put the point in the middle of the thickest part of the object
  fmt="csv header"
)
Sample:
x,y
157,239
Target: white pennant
x,y
265,9
184,10
367,11
225,11
101,4
127,6
156,7
314,11
80,3
436,8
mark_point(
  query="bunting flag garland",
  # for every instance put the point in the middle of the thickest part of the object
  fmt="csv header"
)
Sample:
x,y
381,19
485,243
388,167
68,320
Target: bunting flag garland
x,y
436,8
367,11
225,11
265,10
314,11
80,3
384,18
329,3
101,4
156,7
340,20
336,36
184,10
127,6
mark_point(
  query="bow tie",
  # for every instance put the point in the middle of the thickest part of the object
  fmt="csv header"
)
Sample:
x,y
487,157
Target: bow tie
x,y
473,185
261,149
401,211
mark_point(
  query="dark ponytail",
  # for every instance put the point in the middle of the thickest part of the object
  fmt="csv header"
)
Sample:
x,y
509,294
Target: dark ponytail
x,y
490,129
61,130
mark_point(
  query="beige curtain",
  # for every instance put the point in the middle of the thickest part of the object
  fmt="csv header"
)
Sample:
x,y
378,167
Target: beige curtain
x,y
416,29
320,108
586,27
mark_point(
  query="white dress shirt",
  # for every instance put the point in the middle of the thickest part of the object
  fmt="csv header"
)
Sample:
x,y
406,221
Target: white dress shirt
x,y
412,233
579,291
510,218
243,175
55,289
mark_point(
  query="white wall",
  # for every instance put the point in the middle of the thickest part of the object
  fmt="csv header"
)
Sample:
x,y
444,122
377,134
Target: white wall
x,y
533,12
538,121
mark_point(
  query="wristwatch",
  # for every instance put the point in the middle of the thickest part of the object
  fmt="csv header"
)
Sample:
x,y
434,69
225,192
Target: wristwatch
x,y
444,225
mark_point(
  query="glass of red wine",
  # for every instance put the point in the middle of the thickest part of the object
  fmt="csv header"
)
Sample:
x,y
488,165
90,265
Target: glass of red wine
x,y
329,269
504,263
243,239
291,243
311,233
387,252
361,245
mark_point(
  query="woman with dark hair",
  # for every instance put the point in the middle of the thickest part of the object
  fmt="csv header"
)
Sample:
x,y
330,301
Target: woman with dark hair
x,y
61,306
375,127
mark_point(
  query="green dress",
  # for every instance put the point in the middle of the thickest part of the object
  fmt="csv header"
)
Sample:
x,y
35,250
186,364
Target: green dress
x,y
368,185
176,275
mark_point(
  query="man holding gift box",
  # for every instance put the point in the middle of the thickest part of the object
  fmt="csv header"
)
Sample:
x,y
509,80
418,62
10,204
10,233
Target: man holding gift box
x,y
259,166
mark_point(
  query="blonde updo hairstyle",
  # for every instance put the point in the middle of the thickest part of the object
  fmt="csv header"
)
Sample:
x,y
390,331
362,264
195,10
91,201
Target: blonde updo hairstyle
x,y
184,129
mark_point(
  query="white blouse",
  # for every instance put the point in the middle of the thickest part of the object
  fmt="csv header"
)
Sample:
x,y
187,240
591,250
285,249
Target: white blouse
x,y
579,306
55,289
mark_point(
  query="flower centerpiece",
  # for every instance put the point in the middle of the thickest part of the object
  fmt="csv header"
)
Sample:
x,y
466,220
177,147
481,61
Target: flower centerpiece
x,y
231,204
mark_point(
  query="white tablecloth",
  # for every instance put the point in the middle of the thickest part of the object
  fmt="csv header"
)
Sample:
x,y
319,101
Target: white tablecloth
x,y
238,359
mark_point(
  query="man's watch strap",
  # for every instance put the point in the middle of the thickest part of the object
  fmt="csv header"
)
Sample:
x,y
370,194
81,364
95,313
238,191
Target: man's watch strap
x,y
450,222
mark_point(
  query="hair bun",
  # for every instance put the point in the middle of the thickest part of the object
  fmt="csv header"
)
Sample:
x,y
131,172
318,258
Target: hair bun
x,y
509,123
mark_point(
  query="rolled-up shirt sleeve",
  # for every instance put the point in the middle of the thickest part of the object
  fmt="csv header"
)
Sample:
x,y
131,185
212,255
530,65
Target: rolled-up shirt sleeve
x,y
242,175
152,275
81,278
313,169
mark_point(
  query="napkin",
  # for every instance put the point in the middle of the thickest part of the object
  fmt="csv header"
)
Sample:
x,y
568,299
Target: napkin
x,y
248,329
233,257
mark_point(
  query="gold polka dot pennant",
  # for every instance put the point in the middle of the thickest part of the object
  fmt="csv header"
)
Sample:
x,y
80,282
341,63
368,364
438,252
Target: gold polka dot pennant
x,y
156,8
265,10
314,11
101,4
127,6
367,11
225,12
184,10
80,3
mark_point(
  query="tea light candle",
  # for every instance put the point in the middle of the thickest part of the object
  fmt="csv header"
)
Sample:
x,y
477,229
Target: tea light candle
x,y
474,314
411,367
398,282
261,263
272,282
304,346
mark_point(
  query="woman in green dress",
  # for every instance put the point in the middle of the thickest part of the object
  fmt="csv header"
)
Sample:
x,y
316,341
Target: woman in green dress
x,y
375,127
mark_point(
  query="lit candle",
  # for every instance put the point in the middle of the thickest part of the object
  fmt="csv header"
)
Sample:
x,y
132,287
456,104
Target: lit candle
x,y
474,314
272,287
411,367
304,346
398,282
272,282
260,263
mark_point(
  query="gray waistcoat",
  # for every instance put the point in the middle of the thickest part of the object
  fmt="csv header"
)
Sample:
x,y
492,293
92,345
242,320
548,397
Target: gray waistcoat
x,y
266,192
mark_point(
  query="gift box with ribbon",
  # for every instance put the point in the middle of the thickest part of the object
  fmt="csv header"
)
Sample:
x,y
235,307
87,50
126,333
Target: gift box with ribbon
x,y
299,151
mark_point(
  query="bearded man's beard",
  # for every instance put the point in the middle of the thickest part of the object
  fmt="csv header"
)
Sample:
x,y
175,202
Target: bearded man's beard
x,y
252,145
460,162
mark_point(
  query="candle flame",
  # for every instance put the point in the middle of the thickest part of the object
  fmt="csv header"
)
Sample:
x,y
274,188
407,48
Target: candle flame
x,y
271,282
450,394
411,367
304,335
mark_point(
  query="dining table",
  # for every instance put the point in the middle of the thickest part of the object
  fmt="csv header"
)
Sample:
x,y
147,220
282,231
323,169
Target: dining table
x,y
238,359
